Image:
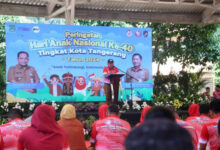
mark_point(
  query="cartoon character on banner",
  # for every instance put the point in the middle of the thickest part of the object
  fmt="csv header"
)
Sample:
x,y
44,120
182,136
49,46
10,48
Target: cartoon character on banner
x,y
54,88
68,83
80,86
96,87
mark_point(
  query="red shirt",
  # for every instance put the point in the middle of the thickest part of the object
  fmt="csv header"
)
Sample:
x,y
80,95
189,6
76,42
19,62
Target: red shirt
x,y
209,133
107,70
10,132
198,122
216,94
191,129
110,133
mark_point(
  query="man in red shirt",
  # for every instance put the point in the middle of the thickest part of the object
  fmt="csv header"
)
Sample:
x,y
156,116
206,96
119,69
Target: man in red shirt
x,y
10,131
209,133
216,93
110,133
111,69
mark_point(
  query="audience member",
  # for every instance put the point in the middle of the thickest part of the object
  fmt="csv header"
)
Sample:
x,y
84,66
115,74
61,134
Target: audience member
x,y
160,112
73,127
209,133
10,131
103,111
159,134
193,111
204,112
143,113
110,132
207,93
216,93
44,132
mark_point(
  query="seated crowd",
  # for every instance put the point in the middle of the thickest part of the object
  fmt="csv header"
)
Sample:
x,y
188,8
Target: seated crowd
x,y
160,128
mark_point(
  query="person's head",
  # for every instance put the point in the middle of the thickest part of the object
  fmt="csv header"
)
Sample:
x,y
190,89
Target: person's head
x,y
160,112
103,111
207,89
110,63
113,110
159,134
193,110
214,107
97,81
81,80
144,111
204,109
136,59
15,113
68,112
44,119
22,58
217,88
54,79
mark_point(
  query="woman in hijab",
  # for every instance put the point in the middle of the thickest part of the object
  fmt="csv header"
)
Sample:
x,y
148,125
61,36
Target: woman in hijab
x,y
44,132
73,127
193,112
143,113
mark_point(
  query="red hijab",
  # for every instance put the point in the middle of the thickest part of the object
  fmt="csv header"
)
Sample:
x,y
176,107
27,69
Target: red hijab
x,y
103,111
143,113
80,83
193,110
44,133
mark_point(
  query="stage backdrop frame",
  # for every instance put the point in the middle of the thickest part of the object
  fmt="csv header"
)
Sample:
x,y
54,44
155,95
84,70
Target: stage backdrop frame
x,y
72,58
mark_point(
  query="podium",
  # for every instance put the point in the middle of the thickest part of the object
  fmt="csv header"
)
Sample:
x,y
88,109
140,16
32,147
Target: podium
x,y
115,79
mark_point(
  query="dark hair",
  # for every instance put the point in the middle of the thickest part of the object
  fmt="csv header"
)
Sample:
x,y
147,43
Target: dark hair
x,y
15,113
159,134
22,52
160,112
110,61
137,54
215,106
113,109
218,86
54,76
204,108
207,88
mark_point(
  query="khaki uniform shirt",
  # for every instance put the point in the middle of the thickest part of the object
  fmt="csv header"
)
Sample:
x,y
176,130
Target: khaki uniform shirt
x,y
141,74
22,74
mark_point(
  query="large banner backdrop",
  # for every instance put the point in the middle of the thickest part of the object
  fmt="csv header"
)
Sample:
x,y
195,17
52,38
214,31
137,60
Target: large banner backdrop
x,y
65,63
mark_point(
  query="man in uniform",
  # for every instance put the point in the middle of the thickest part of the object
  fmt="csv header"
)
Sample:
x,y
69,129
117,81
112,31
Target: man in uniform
x,y
107,71
22,72
137,73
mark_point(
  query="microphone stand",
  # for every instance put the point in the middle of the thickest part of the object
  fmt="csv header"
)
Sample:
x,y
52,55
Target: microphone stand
x,y
130,82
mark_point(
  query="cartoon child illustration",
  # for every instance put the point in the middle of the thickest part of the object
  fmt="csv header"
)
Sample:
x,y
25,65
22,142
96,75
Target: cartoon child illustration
x,y
54,88
80,86
96,87
68,82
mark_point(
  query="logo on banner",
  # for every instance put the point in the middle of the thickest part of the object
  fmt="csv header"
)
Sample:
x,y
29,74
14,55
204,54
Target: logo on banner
x,y
12,28
145,33
138,33
129,33
36,29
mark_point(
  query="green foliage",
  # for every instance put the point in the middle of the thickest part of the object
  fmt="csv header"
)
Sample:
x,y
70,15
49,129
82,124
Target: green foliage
x,y
180,91
187,44
3,121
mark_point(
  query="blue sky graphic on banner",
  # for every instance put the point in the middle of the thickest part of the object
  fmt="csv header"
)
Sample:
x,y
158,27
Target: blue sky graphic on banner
x,y
65,62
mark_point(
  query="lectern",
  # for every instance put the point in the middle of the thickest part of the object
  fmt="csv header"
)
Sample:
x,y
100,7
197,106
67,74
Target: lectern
x,y
115,79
